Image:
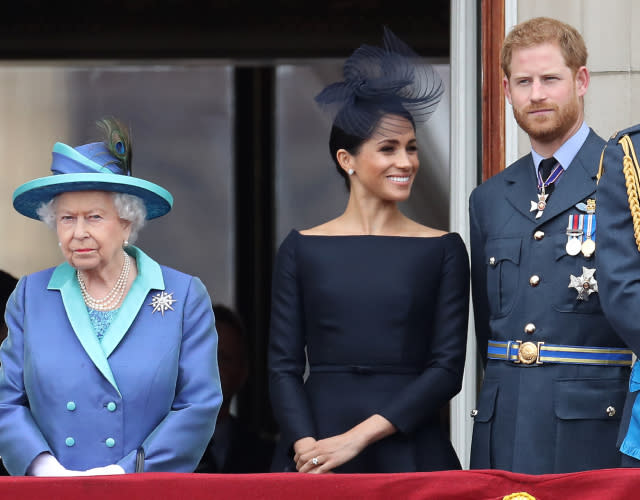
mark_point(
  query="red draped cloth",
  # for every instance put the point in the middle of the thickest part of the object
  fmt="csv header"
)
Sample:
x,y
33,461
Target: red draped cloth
x,y
608,484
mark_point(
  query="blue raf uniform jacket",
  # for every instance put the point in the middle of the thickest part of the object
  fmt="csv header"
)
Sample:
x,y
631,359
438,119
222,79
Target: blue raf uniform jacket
x,y
152,382
548,418
618,260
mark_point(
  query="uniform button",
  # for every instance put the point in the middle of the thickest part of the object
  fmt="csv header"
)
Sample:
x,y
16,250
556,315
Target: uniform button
x,y
534,280
110,442
69,441
71,406
474,413
529,328
492,261
538,235
111,406
611,411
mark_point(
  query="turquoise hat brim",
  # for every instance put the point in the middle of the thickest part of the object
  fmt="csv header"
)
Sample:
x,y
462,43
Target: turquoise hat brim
x,y
28,197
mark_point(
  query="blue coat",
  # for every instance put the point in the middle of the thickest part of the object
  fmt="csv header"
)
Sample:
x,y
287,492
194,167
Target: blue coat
x,y
618,261
152,382
548,418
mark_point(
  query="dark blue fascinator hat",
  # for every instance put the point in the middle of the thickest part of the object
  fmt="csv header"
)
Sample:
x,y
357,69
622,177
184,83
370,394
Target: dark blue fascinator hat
x,y
98,166
378,81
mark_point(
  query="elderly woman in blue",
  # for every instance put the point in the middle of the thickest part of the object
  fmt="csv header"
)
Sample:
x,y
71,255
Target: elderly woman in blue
x,y
109,366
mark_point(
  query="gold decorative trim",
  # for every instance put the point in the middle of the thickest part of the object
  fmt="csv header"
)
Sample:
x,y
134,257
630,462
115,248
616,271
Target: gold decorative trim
x,y
521,495
592,349
631,171
556,359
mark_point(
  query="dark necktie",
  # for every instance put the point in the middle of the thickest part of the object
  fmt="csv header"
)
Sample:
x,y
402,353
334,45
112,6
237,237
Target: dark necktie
x,y
546,166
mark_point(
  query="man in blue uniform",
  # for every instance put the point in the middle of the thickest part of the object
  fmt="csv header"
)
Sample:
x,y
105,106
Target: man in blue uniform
x,y
555,371
618,265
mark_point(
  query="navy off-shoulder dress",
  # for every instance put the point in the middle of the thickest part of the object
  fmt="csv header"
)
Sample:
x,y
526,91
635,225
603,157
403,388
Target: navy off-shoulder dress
x,y
383,320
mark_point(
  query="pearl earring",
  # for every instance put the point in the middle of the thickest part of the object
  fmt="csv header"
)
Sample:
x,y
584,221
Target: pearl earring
x,y
350,171
60,244
126,243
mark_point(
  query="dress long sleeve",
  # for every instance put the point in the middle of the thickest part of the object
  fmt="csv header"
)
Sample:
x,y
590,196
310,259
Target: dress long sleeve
x,y
287,343
442,376
479,284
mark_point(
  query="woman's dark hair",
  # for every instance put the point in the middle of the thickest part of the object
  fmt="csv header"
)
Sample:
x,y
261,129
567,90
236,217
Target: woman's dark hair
x,y
339,139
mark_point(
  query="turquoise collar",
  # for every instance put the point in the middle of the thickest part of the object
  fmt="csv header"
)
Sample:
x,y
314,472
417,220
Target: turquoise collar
x,y
64,279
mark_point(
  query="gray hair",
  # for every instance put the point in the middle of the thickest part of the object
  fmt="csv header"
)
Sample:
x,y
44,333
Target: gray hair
x,y
129,207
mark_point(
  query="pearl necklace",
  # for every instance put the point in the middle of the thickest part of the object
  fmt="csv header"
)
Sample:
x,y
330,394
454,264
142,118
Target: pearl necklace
x,y
113,298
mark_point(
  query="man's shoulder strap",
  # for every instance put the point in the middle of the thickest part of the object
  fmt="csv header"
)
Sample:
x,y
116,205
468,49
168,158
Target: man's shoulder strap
x,y
627,139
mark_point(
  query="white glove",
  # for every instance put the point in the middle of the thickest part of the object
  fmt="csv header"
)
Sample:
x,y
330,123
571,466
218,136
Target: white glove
x,y
46,464
107,470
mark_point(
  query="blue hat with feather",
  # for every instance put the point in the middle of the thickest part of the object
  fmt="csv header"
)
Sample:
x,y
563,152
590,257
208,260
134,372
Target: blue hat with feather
x,y
98,166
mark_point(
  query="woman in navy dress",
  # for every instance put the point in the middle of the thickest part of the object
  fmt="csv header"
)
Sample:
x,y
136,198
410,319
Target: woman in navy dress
x,y
376,302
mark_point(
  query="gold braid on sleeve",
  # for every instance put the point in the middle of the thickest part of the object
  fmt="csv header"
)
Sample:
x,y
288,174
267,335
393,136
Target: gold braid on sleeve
x,y
631,171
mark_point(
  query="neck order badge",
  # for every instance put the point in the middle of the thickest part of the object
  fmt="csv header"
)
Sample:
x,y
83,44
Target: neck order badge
x,y
548,172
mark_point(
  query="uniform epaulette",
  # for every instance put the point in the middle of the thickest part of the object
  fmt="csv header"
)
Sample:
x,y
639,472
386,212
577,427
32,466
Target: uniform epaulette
x,y
614,141
634,129
631,170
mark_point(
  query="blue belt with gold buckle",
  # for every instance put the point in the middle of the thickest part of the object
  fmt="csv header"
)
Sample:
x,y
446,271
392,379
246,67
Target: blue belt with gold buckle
x,y
528,353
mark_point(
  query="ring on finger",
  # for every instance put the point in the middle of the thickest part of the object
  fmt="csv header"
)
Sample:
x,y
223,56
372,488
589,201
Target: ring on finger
x,y
315,461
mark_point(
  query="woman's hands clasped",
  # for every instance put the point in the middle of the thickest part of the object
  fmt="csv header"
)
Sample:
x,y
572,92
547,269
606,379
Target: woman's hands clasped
x,y
324,455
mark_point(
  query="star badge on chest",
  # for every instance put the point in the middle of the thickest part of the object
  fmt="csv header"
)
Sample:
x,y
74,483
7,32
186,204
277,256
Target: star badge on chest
x,y
162,301
540,205
585,284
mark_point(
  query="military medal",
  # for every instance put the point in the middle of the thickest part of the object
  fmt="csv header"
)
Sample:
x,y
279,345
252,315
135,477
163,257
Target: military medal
x,y
541,204
574,235
589,245
573,246
585,284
